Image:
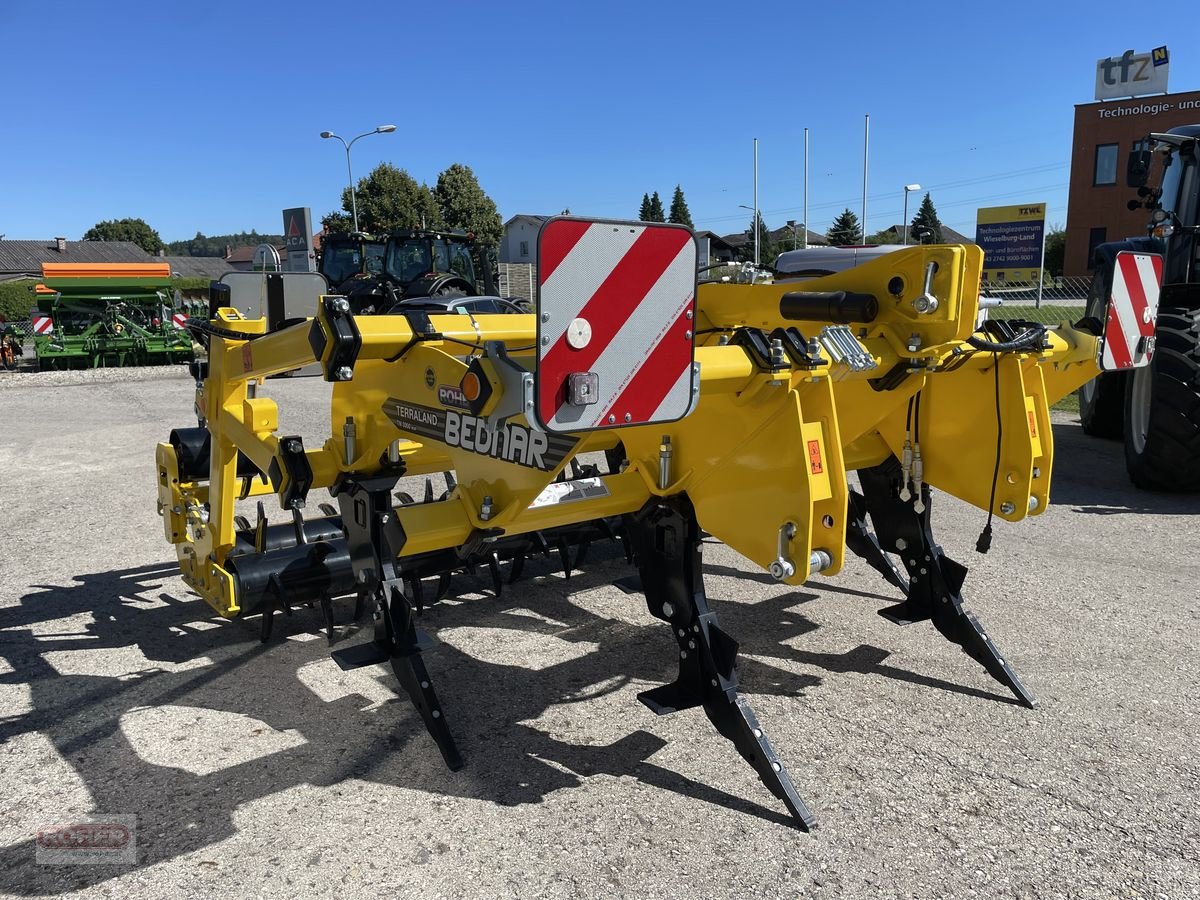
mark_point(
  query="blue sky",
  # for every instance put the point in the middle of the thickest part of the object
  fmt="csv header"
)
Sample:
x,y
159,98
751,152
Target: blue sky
x,y
205,117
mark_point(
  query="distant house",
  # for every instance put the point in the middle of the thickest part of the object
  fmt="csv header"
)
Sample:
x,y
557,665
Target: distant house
x,y
895,235
210,267
713,249
241,259
781,239
23,259
519,244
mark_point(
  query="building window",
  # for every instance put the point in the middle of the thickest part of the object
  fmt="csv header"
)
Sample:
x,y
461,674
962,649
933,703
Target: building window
x,y
1096,237
1106,164
524,249
1138,146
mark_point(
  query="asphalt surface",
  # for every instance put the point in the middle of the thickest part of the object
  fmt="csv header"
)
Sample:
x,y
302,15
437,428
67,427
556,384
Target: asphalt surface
x,y
266,771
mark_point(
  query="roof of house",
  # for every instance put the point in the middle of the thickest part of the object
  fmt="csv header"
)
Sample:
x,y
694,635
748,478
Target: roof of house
x,y
528,217
779,235
245,254
197,266
28,256
949,235
713,237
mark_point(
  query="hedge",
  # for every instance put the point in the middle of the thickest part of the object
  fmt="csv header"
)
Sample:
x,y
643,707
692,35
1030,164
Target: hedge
x,y
17,299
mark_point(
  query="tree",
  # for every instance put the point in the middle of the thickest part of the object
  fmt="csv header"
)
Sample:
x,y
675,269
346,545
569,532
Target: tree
x,y
657,214
644,209
680,214
887,236
135,230
766,250
845,230
926,228
462,204
1056,245
388,199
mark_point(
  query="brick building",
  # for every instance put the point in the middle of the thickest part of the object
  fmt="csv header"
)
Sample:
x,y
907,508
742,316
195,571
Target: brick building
x,y
1105,133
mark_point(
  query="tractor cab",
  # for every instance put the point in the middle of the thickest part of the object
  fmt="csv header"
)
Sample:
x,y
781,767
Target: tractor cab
x,y
1175,204
430,263
348,256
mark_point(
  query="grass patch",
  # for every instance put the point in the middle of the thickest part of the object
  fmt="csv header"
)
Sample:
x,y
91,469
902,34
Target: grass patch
x,y
1069,403
1048,314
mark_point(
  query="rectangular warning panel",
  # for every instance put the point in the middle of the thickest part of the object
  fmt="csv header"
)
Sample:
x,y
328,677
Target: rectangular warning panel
x,y
1132,307
616,322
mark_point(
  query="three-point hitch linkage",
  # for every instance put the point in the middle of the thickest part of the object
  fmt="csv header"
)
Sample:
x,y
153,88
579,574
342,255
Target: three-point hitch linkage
x,y
712,410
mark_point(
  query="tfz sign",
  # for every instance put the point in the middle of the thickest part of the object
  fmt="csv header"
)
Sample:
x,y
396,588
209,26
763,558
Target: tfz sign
x,y
1132,74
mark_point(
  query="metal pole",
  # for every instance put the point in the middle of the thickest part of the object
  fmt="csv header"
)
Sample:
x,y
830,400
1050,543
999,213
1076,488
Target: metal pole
x,y
757,229
1042,266
805,188
905,220
350,175
866,143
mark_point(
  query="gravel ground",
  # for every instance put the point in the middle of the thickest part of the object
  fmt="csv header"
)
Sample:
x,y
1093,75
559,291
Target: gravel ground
x,y
266,771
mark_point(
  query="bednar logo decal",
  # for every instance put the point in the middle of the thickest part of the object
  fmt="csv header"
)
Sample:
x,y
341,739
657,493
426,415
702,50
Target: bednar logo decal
x,y
512,443
814,457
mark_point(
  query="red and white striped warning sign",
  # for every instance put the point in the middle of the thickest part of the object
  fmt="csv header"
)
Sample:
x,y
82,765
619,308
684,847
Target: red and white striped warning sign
x,y
1129,325
42,323
179,320
616,309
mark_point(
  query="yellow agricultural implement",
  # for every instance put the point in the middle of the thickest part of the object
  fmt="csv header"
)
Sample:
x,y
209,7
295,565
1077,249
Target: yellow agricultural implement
x,y
739,409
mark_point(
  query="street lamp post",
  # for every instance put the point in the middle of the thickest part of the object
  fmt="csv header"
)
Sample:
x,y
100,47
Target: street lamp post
x,y
908,189
382,129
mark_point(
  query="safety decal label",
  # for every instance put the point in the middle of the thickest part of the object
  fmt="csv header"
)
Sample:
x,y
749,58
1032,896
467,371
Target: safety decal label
x,y
1032,424
616,300
512,443
1129,326
42,324
247,357
179,320
570,492
814,457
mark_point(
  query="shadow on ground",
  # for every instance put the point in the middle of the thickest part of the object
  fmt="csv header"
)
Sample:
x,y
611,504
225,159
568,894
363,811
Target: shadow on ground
x,y
199,662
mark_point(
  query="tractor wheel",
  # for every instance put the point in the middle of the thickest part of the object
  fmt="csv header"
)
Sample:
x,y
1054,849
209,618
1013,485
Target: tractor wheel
x,y
1102,400
1162,407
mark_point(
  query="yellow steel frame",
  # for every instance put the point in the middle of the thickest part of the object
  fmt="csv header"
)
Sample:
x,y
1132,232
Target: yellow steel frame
x,y
760,450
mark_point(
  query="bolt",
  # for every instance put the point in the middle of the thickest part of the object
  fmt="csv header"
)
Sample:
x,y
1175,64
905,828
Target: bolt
x,y
345,373
611,419
485,510
688,334
341,305
668,610
1037,472
901,543
776,766
691,645
758,732
628,417
714,682
682,632
437,714
1007,508
689,315
683,654
545,317
545,340
425,685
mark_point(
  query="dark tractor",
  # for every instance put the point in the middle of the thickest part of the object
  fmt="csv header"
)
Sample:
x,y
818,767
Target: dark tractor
x,y
437,264
348,257
1156,408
